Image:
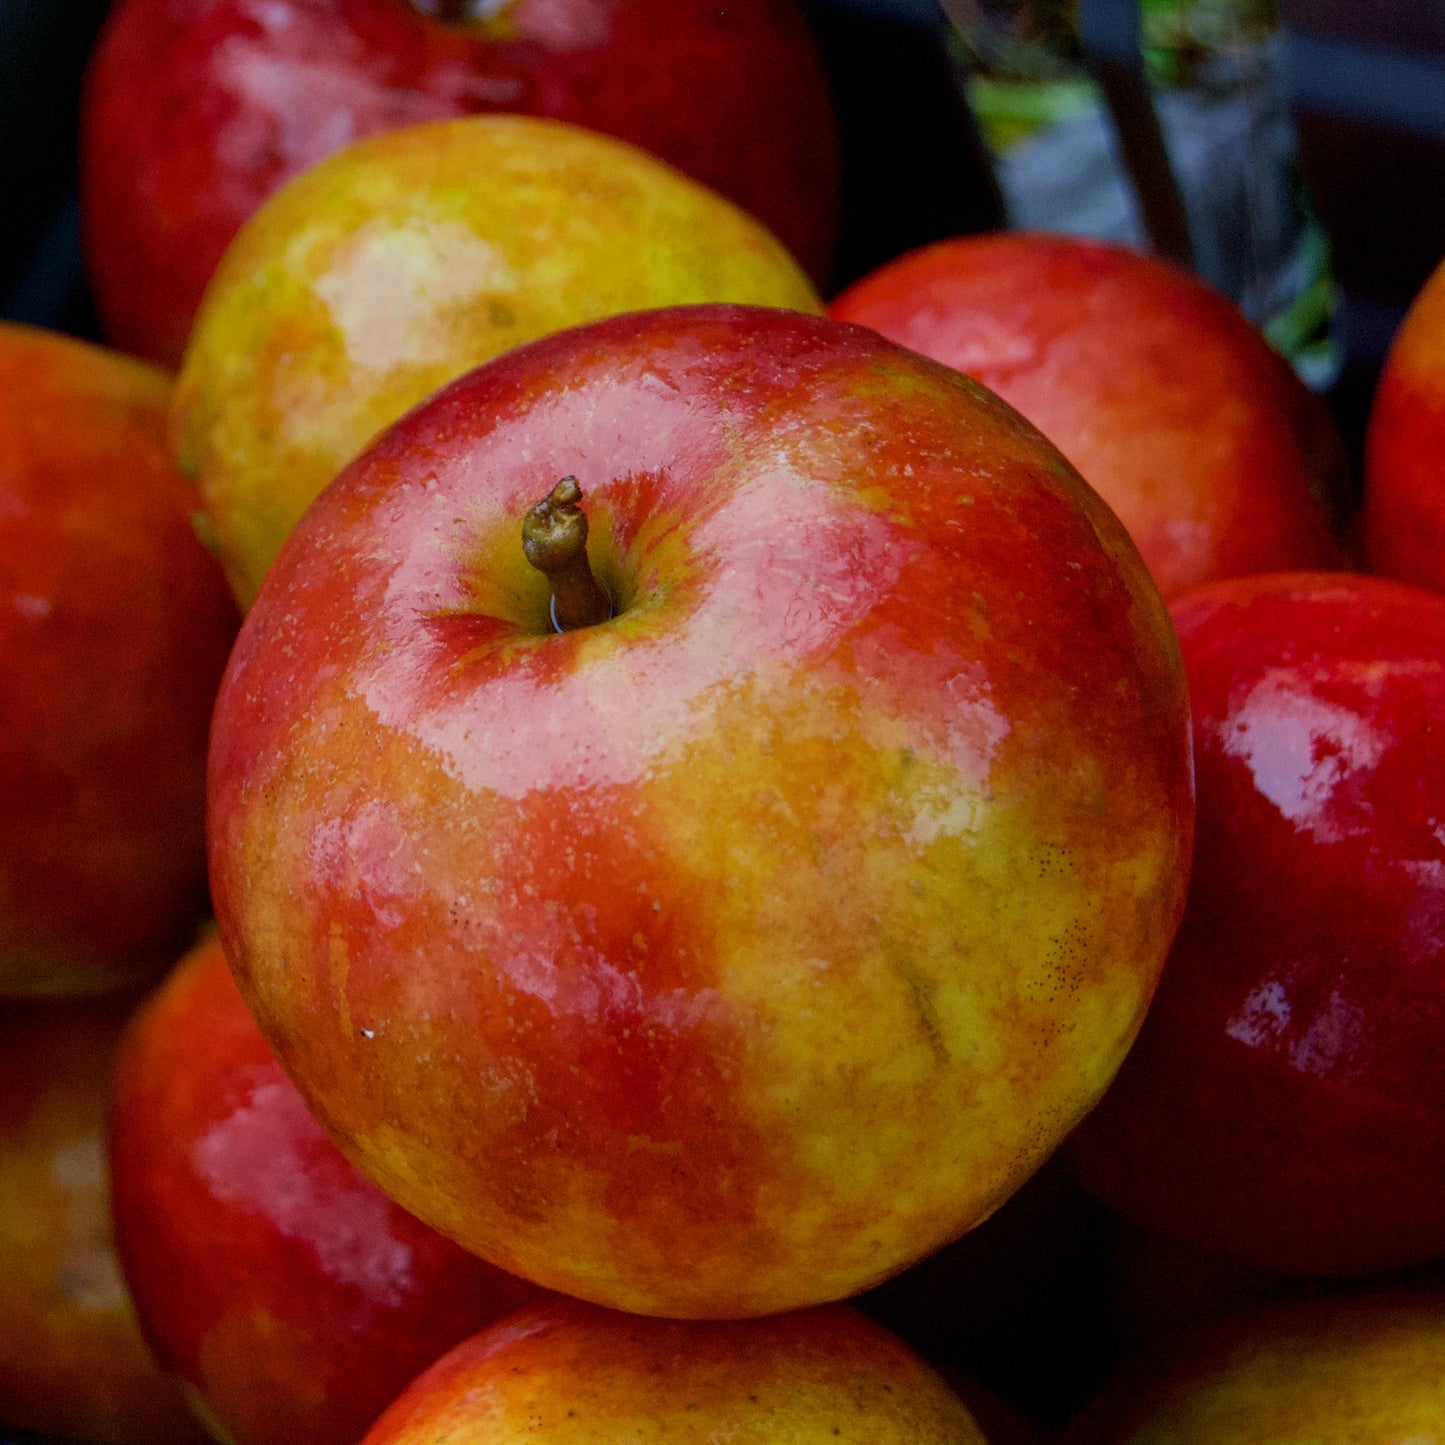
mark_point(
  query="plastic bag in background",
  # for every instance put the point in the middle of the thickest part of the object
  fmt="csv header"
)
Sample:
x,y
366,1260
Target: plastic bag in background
x,y
1162,124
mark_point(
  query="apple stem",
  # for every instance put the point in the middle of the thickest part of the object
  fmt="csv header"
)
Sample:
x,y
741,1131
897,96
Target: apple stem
x,y
554,539
450,11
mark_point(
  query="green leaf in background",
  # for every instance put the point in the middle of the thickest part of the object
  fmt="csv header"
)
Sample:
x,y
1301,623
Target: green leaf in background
x,y
1009,111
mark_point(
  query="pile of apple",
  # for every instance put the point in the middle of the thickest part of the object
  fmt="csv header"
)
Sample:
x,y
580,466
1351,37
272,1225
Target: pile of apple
x,y
593,848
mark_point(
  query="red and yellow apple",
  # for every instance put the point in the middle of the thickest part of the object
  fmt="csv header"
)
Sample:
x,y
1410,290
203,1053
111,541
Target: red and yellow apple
x,y
196,110
1354,1369
1282,1104
735,952
1403,516
405,260
73,1361
115,625
1212,452
289,1295
572,1374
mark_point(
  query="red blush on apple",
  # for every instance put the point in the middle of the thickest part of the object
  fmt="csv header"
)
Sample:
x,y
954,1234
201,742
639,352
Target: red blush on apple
x,y
1214,455
292,1297
196,111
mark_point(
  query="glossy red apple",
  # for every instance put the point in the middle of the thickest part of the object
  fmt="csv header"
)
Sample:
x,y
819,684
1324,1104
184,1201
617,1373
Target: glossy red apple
x,y
1282,1104
572,1374
196,110
735,952
1213,453
1403,517
115,625
291,1296
73,1361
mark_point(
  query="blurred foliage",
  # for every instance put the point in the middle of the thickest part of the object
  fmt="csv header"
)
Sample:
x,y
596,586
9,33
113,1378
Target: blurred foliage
x,y
1183,41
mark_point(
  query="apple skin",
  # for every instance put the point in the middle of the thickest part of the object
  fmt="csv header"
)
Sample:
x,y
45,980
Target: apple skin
x,y
1213,453
1280,1107
572,1374
1352,1369
115,625
407,259
196,110
289,1294
73,1361
735,953
1403,517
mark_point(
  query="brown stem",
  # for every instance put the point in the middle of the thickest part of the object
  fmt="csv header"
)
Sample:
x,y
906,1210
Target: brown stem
x,y
475,13
554,539
451,11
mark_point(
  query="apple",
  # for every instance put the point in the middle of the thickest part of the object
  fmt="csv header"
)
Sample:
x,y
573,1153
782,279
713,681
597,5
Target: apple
x,y
289,1294
73,1361
196,110
732,953
1281,1105
1345,1368
573,1374
1403,515
405,260
115,625
1214,454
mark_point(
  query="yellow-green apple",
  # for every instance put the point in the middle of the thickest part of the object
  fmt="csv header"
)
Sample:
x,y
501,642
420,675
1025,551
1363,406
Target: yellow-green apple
x,y
1211,450
292,1298
567,1373
114,628
1403,516
73,1361
196,110
407,259
735,951
1281,1105
1352,1369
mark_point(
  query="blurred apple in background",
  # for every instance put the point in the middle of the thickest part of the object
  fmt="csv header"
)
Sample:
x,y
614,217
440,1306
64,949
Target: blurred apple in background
x,y
1354,1369
72,1358
1282,1105
1403,518
114,628
196,110
573,1374
1212,452
291,1296
733,953
409,258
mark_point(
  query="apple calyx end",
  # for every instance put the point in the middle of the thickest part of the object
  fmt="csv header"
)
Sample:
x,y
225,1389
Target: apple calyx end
x,y
554,541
